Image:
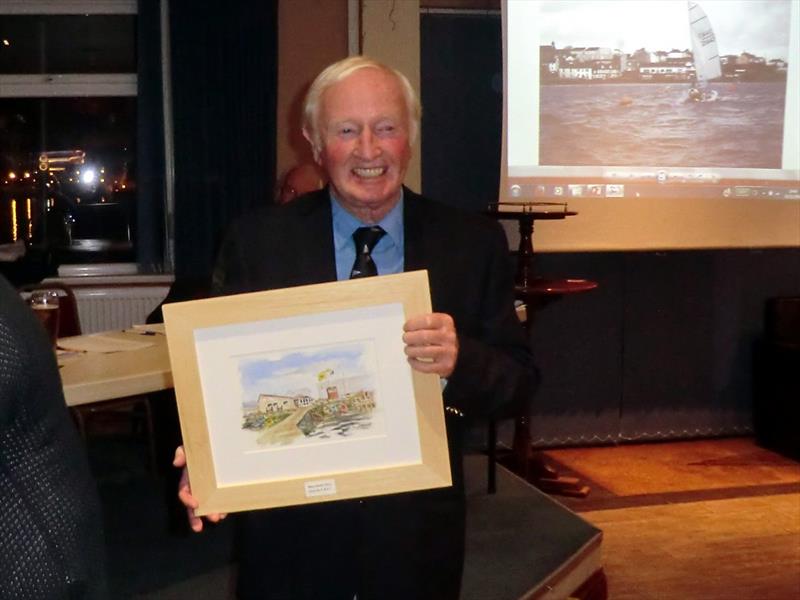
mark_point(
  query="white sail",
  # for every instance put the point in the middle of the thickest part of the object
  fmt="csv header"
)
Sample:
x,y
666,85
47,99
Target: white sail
x,y
704,45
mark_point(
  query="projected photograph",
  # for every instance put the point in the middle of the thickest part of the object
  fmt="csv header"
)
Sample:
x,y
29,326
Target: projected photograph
x,y
667,83
310,395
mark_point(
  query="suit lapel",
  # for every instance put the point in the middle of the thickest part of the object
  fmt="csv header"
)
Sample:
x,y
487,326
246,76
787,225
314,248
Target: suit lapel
x,y
316,258
417,254
427,247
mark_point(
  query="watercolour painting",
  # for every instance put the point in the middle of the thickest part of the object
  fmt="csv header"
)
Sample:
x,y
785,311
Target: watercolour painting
x,y
312,395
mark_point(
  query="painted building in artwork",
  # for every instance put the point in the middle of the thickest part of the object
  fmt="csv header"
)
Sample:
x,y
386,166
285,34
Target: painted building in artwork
x,y
273,403
343,386
360,401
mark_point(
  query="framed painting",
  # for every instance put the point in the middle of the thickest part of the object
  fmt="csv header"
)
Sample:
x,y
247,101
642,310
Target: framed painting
x,y
304,395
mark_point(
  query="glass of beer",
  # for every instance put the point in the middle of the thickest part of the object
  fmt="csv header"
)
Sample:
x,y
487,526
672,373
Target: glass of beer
x,y
45,306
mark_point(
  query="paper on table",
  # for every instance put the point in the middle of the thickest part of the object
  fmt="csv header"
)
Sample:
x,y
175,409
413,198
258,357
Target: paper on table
x,y
100,343
151,328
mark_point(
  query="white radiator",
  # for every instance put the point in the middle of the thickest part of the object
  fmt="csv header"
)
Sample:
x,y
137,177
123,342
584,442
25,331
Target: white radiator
x,y
102,309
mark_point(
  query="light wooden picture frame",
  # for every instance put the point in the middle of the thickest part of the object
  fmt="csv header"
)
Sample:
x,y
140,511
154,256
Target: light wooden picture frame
x,y
304,395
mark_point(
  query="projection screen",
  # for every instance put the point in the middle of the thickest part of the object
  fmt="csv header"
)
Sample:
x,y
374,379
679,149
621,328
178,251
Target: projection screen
x,y
664,124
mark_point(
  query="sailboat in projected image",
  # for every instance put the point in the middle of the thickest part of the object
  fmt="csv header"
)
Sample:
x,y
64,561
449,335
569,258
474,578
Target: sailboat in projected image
x,y
706,55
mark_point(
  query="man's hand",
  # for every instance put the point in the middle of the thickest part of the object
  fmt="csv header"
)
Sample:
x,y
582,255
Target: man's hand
x,y
431,343
185,494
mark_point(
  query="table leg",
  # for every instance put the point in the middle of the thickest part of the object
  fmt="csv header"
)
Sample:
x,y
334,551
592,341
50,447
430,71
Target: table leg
x,y
532,466
523,459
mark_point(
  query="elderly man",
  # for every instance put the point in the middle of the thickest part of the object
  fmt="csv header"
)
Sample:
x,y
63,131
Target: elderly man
x,y
360,119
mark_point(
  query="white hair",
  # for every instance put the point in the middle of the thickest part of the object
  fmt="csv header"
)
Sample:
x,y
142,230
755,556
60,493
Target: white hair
x,y
339,71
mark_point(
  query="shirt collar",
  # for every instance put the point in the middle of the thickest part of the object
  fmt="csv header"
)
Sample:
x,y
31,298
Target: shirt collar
x,y
344,224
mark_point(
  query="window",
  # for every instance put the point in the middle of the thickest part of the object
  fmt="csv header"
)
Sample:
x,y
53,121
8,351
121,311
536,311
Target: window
x,y
68,122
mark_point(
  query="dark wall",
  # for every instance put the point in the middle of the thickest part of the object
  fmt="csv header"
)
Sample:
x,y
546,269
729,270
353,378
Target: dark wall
x,y
663,348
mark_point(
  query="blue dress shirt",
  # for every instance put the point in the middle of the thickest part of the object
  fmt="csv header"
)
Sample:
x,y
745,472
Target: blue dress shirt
x,y
387,254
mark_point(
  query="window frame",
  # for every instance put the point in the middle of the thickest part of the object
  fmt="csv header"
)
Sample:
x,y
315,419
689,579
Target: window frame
x,y
88,85
68,7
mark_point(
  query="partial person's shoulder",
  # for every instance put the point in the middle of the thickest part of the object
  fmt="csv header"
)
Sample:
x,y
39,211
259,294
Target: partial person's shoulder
x,y
14,314
23,348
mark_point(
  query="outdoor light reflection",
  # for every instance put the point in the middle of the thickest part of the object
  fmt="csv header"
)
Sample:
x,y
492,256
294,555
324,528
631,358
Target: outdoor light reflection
x,y
88,176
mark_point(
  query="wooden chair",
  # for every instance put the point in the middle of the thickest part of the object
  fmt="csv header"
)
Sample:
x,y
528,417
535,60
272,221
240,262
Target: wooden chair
x,y
134,411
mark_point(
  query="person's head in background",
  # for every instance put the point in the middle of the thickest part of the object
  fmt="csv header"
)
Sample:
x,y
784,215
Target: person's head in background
x,y
300,180
361,118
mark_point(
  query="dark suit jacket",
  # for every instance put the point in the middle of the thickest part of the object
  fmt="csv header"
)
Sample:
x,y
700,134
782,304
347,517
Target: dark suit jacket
x,y
411,545
470,278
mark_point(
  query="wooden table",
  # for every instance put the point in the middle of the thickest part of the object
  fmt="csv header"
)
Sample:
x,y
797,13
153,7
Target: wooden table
x,y
535,292
89,377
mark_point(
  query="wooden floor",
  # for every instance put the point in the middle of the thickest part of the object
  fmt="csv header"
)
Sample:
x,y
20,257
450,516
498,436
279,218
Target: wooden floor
x,y
706,520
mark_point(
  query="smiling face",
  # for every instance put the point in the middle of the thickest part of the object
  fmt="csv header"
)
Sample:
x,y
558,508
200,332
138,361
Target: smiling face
x,y
365,145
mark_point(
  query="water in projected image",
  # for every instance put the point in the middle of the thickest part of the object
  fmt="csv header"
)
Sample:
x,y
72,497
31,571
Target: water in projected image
x,y
657,124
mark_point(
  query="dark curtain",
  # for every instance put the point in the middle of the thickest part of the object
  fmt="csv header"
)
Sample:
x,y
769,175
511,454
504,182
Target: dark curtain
x,y
462,58
149,229
224,82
